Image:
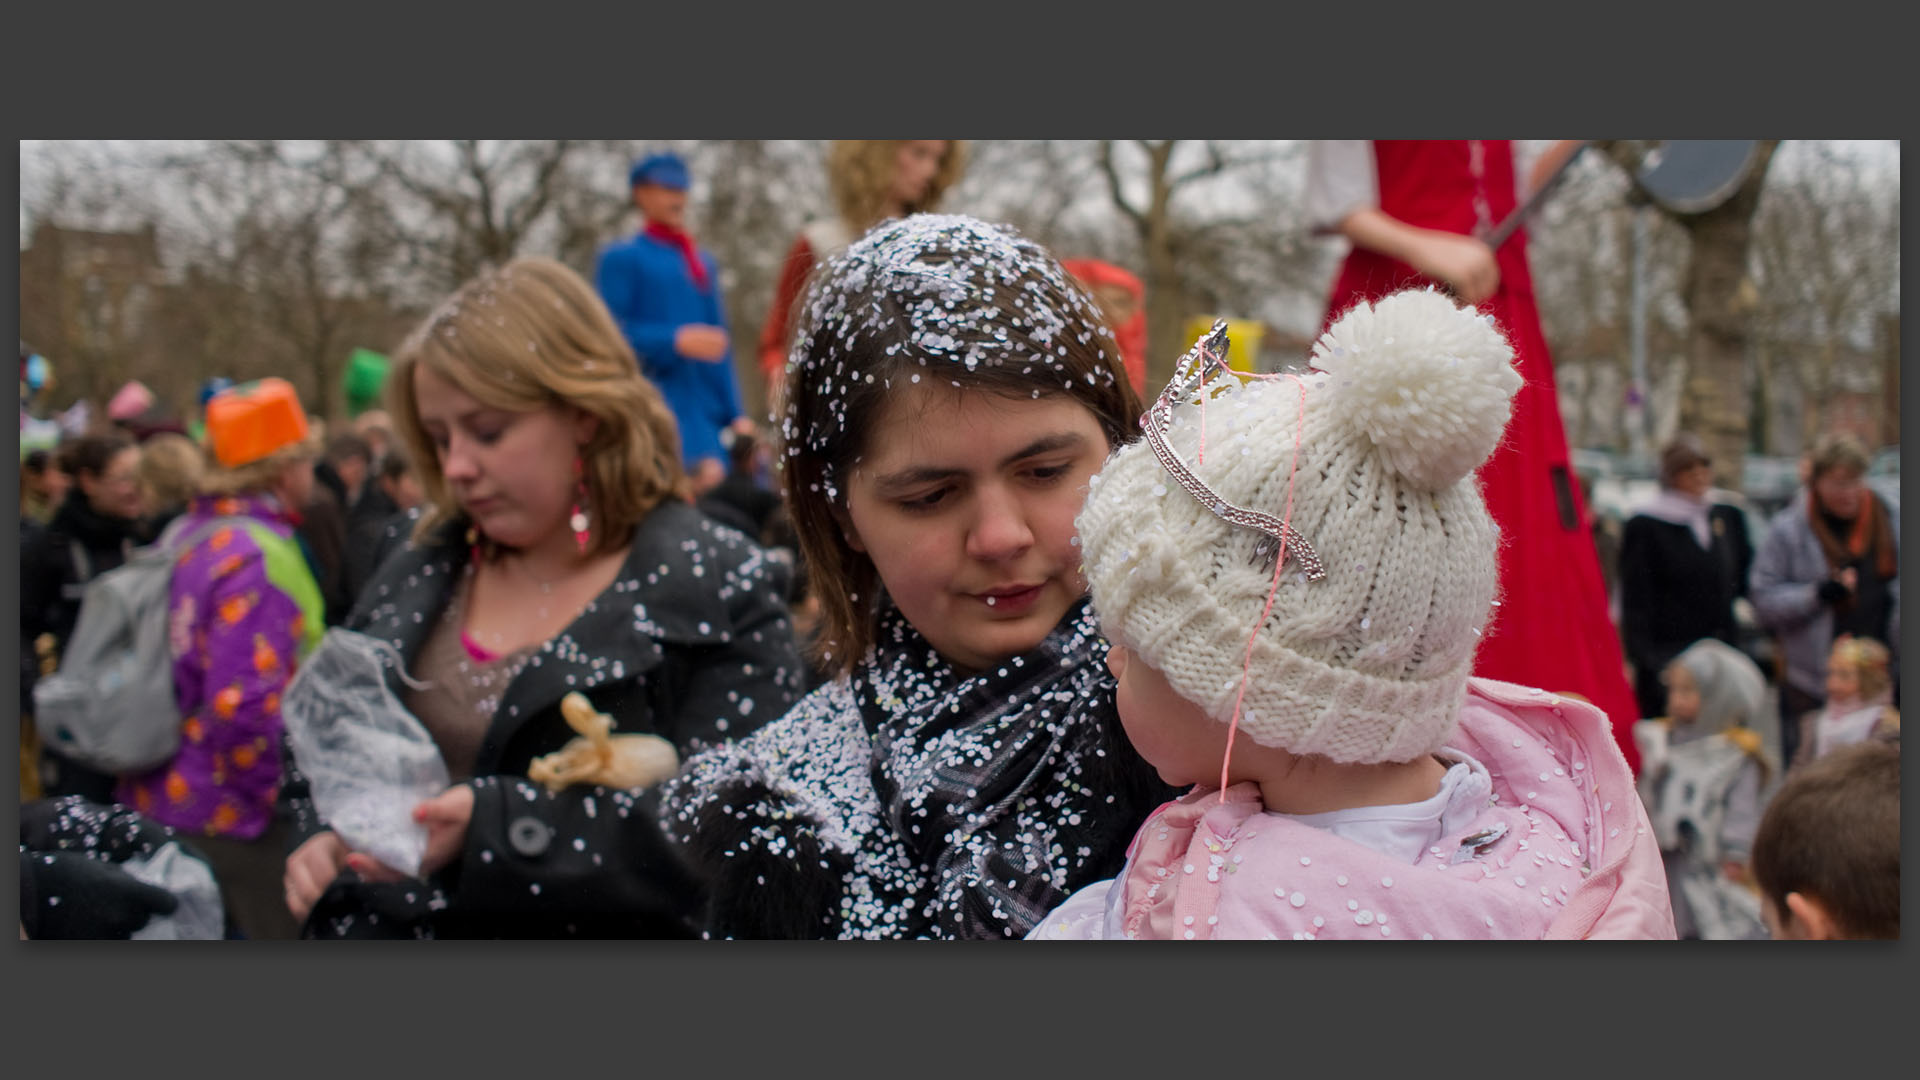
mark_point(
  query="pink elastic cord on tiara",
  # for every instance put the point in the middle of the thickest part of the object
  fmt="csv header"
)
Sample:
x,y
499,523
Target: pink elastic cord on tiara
x,y
1190,377
1200,452
1191,374
1246,664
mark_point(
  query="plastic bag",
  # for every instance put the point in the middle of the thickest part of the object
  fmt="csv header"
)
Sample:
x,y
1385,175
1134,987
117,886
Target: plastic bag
x,y
200,916
368,760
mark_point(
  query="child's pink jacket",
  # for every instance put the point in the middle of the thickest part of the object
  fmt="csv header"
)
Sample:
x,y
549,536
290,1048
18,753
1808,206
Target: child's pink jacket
x,y
1562,850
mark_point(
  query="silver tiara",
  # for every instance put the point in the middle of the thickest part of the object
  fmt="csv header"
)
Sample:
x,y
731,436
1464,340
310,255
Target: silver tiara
x,y
1201,363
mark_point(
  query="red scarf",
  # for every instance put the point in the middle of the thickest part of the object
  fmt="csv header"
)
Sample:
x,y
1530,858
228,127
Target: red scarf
x,y
667,234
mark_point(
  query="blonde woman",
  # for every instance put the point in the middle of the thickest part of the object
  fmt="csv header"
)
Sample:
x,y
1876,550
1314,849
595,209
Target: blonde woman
x,y
556,552
872,180
171,468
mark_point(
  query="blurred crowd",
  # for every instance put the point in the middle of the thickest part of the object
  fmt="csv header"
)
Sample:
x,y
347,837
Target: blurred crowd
x,y
1726,737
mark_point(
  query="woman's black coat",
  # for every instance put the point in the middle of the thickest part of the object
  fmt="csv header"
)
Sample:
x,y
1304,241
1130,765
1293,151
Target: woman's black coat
x,y
1673,592
695,623
77,545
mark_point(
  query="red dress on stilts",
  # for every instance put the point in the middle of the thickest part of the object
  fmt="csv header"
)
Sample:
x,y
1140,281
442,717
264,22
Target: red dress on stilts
x,y
1552,629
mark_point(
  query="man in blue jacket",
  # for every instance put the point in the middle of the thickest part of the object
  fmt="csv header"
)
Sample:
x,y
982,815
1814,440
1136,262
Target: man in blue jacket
x,y
665,294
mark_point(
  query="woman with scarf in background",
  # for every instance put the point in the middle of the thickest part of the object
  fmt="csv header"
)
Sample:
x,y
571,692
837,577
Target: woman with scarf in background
x,y
1830,565
1683,561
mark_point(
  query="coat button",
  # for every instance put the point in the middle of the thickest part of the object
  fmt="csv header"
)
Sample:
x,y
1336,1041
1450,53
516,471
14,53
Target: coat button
x,y
529,836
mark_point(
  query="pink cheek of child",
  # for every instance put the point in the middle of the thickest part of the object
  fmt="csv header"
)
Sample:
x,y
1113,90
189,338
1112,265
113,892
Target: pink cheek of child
x,y
1183,744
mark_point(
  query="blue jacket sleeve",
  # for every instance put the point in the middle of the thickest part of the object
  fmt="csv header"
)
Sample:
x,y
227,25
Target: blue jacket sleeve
x,y
726,380
618,278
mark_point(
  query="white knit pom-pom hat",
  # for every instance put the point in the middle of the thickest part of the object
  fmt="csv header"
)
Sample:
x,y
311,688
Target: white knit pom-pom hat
x,y
1366,652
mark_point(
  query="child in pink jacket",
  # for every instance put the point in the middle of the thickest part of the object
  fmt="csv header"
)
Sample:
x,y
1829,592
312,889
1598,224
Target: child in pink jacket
x,y
1294,573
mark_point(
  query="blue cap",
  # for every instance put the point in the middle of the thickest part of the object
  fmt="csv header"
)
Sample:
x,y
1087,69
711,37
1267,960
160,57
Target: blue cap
x,y
213,386
666,170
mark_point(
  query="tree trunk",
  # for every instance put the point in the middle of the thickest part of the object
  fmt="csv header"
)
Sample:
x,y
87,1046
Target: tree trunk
x,y
1720,298
1162,241
1165,304
1716,402
1166,301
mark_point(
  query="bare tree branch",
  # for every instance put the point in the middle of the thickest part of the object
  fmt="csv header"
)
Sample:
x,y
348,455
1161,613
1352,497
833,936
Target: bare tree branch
x,y
1113,185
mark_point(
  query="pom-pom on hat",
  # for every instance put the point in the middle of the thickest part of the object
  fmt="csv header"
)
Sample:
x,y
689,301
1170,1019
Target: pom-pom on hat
x,y
1390,569
253,420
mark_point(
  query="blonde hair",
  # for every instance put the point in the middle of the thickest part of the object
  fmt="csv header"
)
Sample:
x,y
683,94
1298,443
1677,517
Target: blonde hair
x,y
258,475
533,334
861,174
171,468
1868,659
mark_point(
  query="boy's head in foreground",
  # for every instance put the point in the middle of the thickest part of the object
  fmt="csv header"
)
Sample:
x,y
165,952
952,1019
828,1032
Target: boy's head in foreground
x,y
1827,854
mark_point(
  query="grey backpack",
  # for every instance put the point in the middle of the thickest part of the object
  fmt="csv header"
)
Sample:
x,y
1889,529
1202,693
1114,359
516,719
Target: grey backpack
x,y
110,706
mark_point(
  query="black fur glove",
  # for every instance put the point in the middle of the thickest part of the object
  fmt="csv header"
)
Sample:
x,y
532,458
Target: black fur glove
x,y
66,895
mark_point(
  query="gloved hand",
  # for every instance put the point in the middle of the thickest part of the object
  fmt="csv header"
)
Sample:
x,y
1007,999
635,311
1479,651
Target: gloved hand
x,y
1833,592
72,823
66,895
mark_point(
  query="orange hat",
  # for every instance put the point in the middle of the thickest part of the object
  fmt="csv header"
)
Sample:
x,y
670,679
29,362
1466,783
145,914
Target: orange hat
x,y
252,420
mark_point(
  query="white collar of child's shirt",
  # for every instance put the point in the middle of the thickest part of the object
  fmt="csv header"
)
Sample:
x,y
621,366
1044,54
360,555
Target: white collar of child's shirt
x,y
1404,830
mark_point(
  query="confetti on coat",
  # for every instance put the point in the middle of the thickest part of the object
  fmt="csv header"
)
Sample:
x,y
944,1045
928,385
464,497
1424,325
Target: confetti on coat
x,y
690,642
1560,848
908,802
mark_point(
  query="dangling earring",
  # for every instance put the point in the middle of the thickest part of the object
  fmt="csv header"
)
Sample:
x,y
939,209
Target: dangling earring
x,y
579,522
473,544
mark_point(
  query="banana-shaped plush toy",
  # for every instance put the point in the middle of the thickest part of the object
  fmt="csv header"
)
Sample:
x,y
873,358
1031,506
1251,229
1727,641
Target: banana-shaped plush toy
x,y
597,756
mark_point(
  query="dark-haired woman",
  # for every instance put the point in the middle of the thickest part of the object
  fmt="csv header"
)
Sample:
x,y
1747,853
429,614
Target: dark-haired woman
x,y
92,532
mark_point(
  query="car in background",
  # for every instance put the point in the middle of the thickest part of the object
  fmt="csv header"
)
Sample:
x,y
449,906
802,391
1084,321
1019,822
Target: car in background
x,y
1769,482
1883,475
1589,464
1616,484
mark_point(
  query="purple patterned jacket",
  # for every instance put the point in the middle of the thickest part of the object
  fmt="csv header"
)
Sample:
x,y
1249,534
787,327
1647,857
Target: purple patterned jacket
x,y
244,609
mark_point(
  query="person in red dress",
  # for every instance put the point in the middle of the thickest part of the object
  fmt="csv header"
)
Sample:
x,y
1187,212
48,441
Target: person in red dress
x,y
1412,210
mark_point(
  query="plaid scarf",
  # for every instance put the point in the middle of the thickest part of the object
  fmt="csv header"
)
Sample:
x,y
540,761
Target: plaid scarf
x,y
1012,787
